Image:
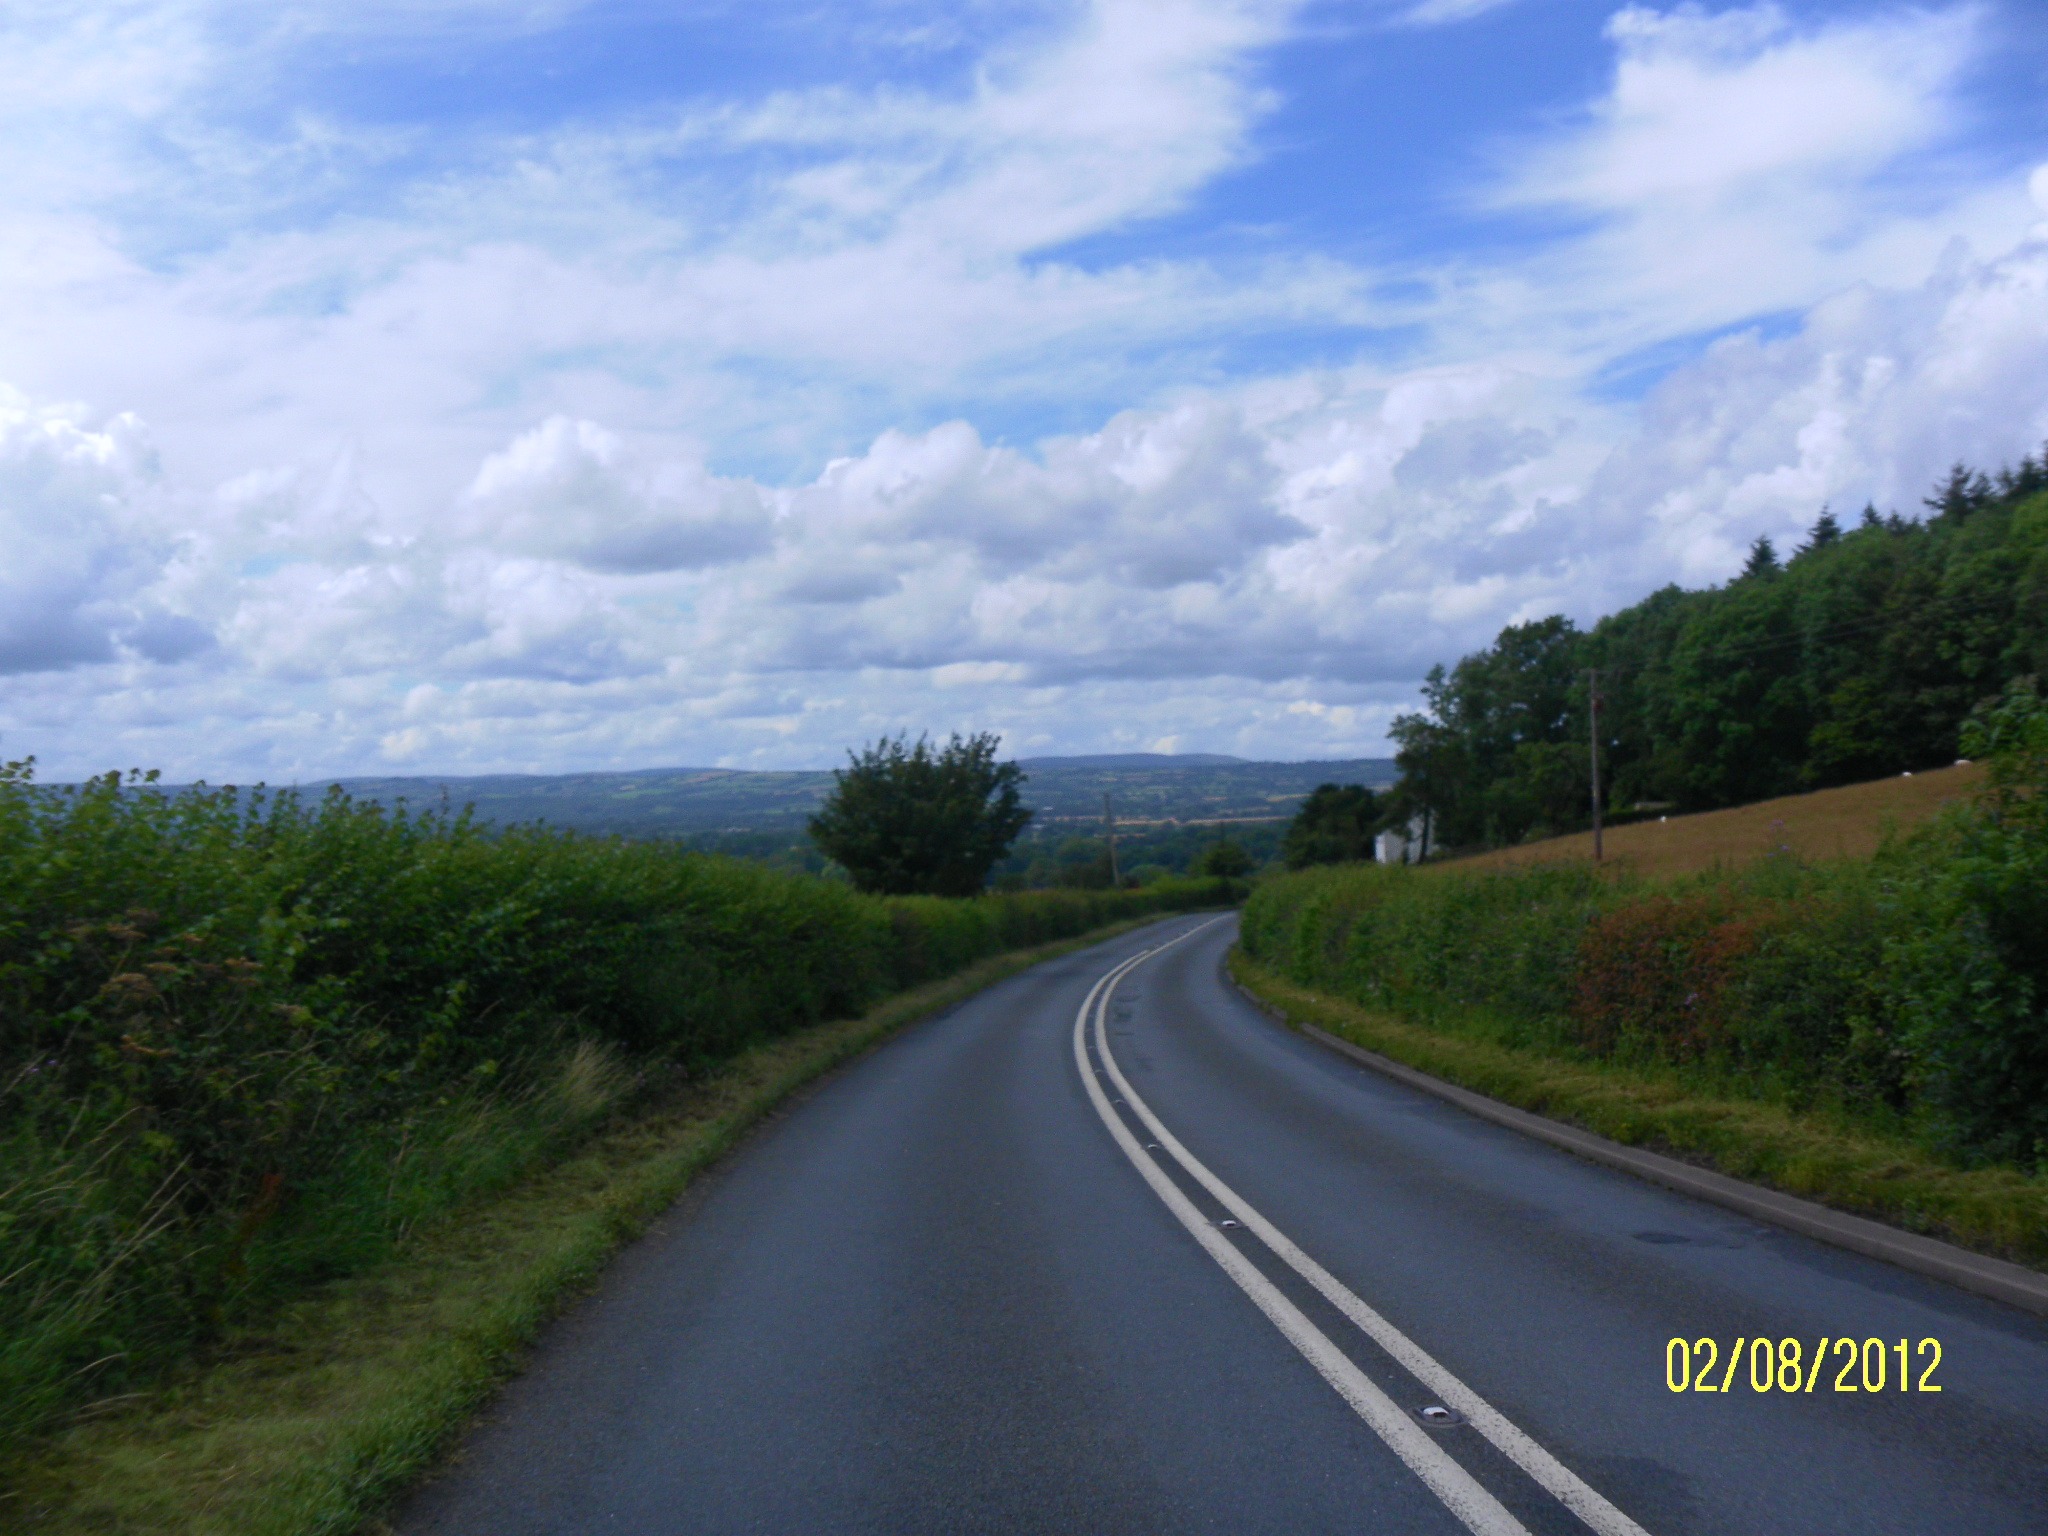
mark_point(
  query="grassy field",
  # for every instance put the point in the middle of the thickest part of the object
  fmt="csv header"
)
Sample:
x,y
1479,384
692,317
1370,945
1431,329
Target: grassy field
x,y
314,1418
1845,823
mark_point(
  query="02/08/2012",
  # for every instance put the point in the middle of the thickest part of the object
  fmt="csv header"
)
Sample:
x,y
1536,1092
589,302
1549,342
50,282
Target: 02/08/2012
x,y
1782,1365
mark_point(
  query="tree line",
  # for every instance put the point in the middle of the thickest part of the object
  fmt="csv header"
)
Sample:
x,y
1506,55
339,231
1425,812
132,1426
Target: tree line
x,y
1857,657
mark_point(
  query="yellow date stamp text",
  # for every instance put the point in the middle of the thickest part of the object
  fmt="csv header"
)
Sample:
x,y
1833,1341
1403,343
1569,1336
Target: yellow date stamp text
x,y
1787,1365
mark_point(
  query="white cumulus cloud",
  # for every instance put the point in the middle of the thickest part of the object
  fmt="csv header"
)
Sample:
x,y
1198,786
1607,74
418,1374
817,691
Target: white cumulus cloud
x,y
567,490
676,434
83,557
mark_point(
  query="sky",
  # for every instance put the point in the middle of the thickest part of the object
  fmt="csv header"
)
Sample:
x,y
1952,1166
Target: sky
x,y
456,386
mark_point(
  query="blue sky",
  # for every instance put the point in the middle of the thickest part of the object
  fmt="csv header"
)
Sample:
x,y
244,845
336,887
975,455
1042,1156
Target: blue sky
x,y
465,385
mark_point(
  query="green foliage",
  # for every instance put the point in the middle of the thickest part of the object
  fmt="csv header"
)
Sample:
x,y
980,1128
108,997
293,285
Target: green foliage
x,y
1762,561
1826,530
1971,977
1911,990
1412,941
905,820
247,1041
1500,755
1335,825
1225,860
1077,863
1859,657
1051,856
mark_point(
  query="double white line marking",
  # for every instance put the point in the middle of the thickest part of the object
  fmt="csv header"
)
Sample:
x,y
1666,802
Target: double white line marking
x,y
1481,1512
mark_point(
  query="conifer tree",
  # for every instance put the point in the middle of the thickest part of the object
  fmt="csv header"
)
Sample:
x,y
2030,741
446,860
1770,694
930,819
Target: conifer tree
x,y
1826,531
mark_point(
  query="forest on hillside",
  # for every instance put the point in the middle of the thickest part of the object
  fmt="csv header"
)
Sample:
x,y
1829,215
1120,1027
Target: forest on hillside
x,y
1858,656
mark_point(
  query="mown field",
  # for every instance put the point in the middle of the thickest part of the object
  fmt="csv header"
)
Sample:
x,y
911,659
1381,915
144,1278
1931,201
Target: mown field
x,y
248,1044
1898,1001
1849,822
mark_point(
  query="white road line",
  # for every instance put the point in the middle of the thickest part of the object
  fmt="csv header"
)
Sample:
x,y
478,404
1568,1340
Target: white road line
x,y
1480,1511
1563,1484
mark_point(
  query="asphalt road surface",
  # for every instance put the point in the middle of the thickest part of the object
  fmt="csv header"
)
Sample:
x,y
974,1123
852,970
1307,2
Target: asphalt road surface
x,y
987,1279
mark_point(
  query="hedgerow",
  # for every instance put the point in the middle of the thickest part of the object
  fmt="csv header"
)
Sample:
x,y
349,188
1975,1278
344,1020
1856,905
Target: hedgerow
x,y
247,1040
1910,989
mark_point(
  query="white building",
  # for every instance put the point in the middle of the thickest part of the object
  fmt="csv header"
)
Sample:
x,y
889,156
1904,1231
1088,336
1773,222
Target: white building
x,y
1408,845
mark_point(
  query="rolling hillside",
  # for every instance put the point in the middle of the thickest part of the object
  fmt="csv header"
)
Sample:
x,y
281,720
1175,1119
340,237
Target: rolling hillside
x,y
695,802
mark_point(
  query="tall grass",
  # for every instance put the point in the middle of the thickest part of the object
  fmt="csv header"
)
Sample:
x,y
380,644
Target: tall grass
x,y
247,1041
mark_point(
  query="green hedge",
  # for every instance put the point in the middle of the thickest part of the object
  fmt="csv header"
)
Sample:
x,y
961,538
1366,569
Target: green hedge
x,y
1911,989
1768,973
247,1041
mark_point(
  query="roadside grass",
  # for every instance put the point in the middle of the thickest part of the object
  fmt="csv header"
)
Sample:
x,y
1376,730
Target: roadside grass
x,y
1849,822
1811,1152
314,1419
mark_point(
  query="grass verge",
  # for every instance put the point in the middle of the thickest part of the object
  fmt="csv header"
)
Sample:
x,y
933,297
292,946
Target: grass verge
x,y
315,1420
1997,1211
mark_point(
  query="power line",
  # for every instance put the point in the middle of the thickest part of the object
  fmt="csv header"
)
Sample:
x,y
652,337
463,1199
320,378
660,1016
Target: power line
x,y
1843,630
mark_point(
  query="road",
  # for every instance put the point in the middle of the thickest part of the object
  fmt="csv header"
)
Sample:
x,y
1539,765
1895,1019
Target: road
x,y
1210,1285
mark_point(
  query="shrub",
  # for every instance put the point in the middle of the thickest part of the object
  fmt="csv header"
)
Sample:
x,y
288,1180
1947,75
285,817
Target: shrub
x,y
1657,973
1969,970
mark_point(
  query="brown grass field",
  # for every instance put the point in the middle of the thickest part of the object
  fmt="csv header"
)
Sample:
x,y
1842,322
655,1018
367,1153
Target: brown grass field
x,y
1845,823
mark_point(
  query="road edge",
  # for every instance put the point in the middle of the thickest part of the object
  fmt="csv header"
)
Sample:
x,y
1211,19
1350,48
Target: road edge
x,y
2001,1280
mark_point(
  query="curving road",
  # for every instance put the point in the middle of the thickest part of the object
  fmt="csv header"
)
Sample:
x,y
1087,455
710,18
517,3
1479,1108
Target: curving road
x,y
992,1278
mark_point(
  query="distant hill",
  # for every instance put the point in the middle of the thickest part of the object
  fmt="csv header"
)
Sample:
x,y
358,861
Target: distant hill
x,y
1154,788
653,802
694,802
1133,760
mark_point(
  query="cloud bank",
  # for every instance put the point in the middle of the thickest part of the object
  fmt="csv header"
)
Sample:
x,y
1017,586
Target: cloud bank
x,y
554,457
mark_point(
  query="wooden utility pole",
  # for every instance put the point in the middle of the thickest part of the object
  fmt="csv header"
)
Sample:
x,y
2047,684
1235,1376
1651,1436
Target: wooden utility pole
x,y
1116,881
1593,750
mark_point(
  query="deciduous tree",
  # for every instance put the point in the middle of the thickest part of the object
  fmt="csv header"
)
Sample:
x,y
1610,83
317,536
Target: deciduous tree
x,y
1335,825
908,820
